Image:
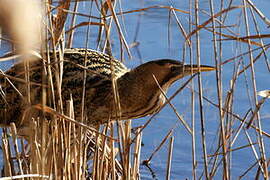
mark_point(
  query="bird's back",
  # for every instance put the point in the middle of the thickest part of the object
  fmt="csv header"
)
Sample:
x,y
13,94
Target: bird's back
x,y
77,66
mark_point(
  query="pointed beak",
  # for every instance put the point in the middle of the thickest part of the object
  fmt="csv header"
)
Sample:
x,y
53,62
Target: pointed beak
x,y
191,69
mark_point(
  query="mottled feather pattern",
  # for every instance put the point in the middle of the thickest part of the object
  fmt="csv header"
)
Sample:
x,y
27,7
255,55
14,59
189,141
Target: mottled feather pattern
x,y
98,73
95,61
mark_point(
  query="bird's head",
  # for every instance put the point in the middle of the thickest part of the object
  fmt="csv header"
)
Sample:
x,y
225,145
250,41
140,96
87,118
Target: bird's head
x,y
167,71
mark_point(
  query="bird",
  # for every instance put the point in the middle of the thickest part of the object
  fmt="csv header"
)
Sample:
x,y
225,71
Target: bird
x,y
89,72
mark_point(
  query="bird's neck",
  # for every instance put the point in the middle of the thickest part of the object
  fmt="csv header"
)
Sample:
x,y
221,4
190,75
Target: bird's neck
x,y
139,93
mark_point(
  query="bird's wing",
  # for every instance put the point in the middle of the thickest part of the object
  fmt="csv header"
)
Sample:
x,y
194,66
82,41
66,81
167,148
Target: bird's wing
x,y
97,65
97,62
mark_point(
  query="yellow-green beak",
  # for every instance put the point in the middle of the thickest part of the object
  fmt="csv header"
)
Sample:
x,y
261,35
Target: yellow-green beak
x,y
195,68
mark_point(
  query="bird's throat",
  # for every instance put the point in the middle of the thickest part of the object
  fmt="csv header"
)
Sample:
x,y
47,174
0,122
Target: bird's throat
x,y
139,97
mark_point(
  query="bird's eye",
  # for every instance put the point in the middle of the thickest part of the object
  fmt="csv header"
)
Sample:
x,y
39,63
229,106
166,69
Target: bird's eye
x,y
173,68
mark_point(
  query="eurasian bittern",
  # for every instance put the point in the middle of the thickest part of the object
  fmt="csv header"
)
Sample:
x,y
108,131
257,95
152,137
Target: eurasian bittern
x,y
138,92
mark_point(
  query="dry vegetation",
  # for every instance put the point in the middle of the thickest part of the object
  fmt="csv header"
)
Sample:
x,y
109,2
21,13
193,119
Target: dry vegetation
x,y
62,149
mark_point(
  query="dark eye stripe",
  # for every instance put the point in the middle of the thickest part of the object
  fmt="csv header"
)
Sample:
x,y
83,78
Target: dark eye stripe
x,y
163,62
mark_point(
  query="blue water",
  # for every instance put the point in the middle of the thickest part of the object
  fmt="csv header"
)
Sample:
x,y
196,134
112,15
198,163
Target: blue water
x,y
154,44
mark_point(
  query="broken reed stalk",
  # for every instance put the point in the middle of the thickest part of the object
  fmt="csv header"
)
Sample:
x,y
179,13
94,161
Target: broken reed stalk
x,y
169,161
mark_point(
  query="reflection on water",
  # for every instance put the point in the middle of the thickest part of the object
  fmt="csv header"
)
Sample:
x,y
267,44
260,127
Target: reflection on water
x,y
152,172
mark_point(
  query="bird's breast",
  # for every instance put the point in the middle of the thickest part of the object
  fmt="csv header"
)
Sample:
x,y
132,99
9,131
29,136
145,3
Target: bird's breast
x,y
144,107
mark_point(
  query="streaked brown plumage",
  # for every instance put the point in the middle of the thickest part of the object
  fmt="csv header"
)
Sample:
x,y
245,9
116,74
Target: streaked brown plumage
x,y
138,92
